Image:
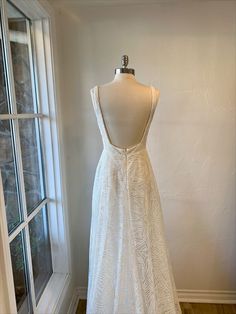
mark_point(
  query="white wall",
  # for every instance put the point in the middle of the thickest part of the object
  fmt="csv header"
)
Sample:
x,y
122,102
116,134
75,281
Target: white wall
x,y
188,51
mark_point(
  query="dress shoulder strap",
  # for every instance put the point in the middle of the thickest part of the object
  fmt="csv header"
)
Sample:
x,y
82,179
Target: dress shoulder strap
x,y
98,113
152,110
93,96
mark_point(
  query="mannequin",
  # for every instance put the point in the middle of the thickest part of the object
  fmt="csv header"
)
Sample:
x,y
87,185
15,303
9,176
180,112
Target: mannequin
x,y
125,104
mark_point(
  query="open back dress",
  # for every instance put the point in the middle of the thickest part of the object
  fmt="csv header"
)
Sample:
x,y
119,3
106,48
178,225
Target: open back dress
x,y
129,265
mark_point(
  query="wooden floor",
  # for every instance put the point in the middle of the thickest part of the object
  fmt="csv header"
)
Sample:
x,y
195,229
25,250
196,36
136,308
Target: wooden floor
x,y
187,308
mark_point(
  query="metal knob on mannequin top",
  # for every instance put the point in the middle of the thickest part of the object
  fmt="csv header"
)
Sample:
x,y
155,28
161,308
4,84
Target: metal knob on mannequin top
x,y
124,69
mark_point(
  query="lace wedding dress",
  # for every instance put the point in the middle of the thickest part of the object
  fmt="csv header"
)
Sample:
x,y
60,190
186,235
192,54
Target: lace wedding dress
x,y
129,265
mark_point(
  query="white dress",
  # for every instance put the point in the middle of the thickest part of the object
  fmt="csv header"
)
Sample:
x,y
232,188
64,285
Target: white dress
x,y
129,265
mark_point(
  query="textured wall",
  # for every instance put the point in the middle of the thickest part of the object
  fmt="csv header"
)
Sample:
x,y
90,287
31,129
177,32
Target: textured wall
x,y
188,51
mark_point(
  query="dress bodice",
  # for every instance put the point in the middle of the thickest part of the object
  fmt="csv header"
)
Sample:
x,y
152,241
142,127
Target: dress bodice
x,y
107,143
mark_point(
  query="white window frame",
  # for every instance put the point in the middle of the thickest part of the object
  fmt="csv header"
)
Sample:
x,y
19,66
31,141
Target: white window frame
x,y
52,297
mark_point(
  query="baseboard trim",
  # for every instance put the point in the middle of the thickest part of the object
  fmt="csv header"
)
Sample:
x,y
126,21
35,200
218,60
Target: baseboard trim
x,y
184,295
207,296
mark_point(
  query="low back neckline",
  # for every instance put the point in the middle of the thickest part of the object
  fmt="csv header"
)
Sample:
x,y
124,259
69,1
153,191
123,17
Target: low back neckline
x,y
105,127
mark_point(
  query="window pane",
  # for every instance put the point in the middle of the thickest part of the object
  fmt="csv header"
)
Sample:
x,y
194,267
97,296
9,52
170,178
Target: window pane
x,y
40,251
3,96
9,176
21,283
19,41
32,162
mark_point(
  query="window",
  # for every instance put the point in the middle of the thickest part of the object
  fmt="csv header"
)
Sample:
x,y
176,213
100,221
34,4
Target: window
x,y
36,258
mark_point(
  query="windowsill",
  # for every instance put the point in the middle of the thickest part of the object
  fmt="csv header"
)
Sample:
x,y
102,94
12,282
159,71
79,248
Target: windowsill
x,y
52,293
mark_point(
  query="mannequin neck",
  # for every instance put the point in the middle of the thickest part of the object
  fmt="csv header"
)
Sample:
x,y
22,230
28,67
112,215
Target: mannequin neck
x,y
124,76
